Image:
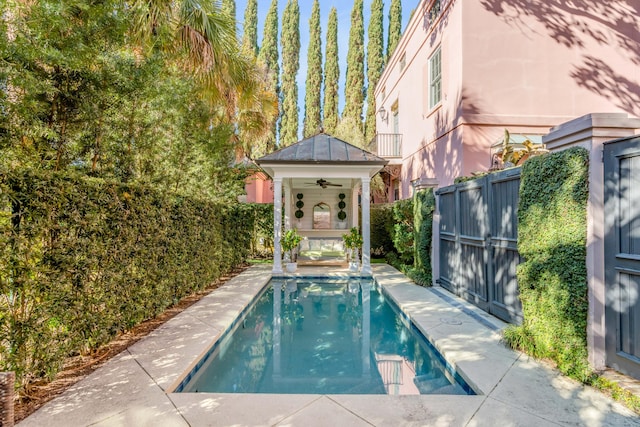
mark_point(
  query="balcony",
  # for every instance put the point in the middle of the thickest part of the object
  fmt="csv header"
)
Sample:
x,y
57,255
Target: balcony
x,y
387,146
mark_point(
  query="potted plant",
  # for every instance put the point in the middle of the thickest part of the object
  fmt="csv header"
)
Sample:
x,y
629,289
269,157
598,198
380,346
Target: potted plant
x,y
290,241
353,243
342,215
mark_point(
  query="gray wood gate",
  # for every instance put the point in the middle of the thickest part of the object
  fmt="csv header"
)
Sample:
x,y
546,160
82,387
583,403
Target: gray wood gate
x,y
622,254
478,242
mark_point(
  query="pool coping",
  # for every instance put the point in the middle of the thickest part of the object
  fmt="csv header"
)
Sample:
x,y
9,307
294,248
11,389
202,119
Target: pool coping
x,y
131,389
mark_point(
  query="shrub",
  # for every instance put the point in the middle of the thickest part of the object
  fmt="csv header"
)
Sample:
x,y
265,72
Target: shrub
x,y
423,207
262,238
552,230
403,230
83,259
381,227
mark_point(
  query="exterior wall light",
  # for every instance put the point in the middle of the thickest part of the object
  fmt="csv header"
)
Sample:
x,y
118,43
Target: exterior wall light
x,y
383,113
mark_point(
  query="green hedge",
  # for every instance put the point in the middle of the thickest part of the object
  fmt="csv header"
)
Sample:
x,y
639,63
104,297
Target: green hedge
x,y
552,230
262,238
403,230
409,223
424,205
381,228
83,259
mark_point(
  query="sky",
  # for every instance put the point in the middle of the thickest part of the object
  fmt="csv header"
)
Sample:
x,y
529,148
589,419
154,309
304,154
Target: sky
x,y
344,23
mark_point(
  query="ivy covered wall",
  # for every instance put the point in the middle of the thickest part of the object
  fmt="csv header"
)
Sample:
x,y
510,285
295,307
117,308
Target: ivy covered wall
x,y
552,235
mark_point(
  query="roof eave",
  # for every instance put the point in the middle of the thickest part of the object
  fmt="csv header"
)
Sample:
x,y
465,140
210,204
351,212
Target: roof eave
x,y
322,162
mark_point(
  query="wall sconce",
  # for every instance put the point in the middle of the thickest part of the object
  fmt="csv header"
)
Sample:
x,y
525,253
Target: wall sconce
x,y
383,113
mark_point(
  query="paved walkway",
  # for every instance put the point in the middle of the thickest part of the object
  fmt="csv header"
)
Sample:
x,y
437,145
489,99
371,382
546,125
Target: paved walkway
x,y
514,390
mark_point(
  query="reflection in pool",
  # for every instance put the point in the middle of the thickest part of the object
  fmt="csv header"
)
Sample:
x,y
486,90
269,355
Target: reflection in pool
x,y
323,336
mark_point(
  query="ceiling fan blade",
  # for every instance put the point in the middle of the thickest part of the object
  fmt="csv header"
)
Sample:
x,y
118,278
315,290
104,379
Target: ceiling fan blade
x,y
333,185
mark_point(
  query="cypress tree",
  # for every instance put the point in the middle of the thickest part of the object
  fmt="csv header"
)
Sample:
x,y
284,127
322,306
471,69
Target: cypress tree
x,y
395,26
269,56
375,63
229,6
313,90
354,90
250,35
290,42
331,75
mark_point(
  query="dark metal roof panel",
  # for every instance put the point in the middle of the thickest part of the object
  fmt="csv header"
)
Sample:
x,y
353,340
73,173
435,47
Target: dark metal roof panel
x,y
322,148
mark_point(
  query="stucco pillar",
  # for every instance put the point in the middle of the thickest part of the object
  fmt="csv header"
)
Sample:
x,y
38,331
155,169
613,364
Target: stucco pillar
x,y
277,226
366,226
590,132
287,206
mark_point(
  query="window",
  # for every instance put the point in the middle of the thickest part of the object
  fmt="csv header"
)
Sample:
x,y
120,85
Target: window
x,y
395,148
435,79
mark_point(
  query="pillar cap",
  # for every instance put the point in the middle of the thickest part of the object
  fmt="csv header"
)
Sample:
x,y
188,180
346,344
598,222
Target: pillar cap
x,y
423,183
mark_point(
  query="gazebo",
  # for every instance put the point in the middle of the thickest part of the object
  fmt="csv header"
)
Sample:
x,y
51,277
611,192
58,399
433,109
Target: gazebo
x,y
321,171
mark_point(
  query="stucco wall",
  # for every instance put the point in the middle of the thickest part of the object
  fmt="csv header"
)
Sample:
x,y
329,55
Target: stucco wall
x,y
522,65
259,189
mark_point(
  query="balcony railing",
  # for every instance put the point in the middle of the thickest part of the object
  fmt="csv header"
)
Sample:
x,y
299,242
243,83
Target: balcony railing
x,y
387,145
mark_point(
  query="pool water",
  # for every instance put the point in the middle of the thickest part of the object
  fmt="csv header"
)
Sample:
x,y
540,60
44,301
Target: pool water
x,y
323,336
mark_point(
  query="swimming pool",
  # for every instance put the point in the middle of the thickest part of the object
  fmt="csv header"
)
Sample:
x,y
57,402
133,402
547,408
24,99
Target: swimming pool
x,y
323,336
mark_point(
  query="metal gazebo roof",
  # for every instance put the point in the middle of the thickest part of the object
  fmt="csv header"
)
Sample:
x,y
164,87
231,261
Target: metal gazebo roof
x,y
322,149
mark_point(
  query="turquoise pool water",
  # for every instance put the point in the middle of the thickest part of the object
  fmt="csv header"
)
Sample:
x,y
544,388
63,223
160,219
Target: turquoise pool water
x,y
323,336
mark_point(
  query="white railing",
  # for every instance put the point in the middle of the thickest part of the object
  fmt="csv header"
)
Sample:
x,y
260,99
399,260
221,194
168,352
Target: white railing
x,y
387,145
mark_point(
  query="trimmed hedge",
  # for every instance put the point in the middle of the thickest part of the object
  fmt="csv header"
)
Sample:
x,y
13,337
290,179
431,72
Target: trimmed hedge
x,y
424,205
381,228
403,230
262,238
409,223
552,232
82,259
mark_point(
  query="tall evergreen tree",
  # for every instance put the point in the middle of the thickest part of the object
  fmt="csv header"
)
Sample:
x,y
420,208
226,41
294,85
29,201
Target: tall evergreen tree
x,y
229,6
269,56
250,34
395,26
375,63
331,75
354,90
312,97
290,41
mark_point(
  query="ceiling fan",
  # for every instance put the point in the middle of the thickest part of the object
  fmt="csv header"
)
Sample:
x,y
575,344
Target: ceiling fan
x,y
323,183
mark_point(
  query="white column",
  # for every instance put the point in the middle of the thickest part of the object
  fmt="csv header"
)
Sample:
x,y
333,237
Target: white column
x,y
277,226
366,226
287,207
354,206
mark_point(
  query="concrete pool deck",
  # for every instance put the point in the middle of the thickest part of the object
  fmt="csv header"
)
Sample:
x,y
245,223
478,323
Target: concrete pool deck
x,y
134,388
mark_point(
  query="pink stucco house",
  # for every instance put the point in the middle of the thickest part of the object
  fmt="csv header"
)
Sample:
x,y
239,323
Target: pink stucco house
x,y
259,188
466,70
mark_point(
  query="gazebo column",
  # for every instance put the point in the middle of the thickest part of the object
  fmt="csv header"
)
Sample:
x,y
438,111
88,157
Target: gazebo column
x,y
354,211
366,226
287,206
277,226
